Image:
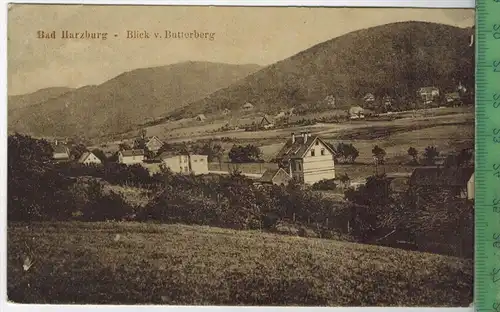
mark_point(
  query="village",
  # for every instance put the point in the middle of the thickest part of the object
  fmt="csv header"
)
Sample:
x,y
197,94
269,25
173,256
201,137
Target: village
x,y
304,157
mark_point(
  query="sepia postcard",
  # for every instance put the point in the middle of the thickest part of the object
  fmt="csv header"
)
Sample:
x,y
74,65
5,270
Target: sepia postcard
x,y
240,156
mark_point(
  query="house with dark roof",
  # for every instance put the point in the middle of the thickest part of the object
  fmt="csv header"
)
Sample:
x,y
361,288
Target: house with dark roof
x,y
275,176
307,158
131,157
460,181
88,158
265,122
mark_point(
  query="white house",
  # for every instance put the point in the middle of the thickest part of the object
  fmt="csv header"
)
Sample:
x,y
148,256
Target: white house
x,y
183,163
61,152
154,144
131,157
88,158
356,112
307,158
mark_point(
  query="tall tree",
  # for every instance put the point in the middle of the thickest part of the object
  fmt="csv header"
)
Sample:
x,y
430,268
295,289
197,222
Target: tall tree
x,y
430,155
414,154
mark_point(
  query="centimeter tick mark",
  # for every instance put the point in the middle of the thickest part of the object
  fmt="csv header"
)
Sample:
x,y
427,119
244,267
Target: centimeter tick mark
x,y
487,201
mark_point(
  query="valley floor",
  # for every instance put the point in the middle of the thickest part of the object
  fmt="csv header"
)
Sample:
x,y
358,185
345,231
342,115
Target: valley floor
x,y
134,263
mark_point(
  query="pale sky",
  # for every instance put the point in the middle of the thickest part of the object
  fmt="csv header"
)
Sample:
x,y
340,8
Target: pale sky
x,y
242,36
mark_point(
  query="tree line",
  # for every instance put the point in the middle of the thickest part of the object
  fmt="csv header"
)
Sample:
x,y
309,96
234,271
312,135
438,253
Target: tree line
x,y
41,190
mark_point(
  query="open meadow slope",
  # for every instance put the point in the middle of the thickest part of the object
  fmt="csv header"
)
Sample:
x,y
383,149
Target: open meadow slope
x,y
176,264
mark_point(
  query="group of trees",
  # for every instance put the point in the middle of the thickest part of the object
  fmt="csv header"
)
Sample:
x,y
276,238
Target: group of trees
x,y
347,152
431,153
245,154
40,190
431,220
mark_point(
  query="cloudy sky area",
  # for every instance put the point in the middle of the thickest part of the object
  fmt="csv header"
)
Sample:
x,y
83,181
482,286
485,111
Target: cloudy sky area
x,y
243,35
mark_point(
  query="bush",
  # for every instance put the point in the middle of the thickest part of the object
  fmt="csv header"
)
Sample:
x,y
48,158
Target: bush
x,y
325,185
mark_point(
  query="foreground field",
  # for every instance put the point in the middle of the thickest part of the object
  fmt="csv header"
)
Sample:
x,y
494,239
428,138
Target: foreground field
x,y
174,264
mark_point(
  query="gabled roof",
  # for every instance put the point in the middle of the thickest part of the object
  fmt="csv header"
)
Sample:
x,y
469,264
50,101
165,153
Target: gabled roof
x,y
60,148
155,138
441,176
266,119
132,152
84,156
300,147
269,175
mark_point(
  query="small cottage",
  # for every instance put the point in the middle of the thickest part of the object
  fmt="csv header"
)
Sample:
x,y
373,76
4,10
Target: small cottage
x,y
356,112
88,158
369,98
265,122
248,106
61,152
201,117
275,176
428,94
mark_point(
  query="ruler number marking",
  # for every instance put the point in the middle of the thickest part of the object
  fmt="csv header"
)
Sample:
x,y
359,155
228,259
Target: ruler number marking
x,y
496,133
496,306
496,99
496,203
496,66
496,31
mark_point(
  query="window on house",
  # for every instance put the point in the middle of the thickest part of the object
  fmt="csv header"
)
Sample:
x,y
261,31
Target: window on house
x,y
201,160
312,153
322,151
294,167
185,169
317,142
300,169
195,160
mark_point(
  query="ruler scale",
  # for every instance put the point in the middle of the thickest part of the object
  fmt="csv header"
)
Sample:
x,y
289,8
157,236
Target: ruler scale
x,y
487,176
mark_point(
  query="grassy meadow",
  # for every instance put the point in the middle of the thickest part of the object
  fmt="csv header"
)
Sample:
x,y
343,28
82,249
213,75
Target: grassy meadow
x,y
133,263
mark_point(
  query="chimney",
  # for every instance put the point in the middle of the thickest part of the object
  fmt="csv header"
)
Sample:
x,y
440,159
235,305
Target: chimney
x,y
306,135
293,137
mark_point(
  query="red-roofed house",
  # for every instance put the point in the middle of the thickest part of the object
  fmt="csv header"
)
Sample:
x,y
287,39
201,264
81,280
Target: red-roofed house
x,y
307,158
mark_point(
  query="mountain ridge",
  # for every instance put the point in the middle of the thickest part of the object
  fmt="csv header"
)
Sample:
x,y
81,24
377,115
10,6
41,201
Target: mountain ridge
x,y
405,56
127,100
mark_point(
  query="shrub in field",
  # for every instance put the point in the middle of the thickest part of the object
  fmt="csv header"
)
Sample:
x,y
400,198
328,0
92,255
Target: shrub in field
x,y
325,185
